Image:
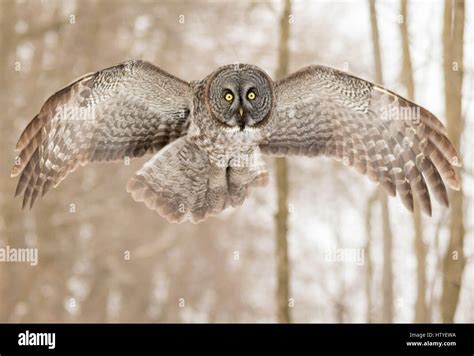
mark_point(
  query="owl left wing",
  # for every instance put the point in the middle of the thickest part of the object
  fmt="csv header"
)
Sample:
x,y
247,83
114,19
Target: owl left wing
x,y
323,111
123,111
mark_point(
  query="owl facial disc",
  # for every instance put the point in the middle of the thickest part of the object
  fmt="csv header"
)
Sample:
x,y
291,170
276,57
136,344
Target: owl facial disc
x,y
240,96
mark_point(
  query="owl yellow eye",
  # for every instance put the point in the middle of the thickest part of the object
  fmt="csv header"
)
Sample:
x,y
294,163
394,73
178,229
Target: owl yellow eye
x,y
251,95
229,97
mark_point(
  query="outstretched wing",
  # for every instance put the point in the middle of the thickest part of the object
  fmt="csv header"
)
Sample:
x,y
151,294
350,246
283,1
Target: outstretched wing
x,y
125,110
322,111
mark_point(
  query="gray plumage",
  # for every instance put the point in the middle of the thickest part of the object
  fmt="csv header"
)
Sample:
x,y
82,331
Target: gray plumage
x,y
216,129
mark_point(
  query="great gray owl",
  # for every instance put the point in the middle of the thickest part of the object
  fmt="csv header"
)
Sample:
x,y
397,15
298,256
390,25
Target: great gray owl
x,y
210,134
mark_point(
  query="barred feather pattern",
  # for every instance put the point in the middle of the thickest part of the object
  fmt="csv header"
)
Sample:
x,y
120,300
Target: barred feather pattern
x,y
181,184
400,145
123,111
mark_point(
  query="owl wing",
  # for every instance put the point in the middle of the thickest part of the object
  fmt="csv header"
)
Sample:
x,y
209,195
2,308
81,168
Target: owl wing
x,y
123,111
323,111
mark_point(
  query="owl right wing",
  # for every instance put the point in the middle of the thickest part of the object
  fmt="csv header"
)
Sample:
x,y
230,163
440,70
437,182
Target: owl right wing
x,y
123,111
323,111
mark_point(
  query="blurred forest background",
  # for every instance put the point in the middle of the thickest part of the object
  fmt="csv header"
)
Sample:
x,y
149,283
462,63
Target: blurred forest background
x,y
289,253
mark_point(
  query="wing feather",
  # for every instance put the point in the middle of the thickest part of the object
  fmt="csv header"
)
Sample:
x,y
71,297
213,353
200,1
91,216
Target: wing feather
x,y
395,142
126,110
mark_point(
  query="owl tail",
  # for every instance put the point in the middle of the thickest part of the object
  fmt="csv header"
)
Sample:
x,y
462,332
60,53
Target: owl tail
x,y
180,183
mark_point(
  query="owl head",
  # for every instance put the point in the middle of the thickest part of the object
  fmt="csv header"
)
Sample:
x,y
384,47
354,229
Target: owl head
x,y
240,96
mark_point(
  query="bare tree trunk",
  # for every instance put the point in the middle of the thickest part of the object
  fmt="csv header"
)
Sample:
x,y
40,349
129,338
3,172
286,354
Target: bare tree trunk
x,y
376,43
387,277
421,307
8,220
368,258
407,69
454,260
281,217
421,311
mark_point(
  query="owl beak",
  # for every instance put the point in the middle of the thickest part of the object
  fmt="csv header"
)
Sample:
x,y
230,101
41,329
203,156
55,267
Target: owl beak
x,y
242,118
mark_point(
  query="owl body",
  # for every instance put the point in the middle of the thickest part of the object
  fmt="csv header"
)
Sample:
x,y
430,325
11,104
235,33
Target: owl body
x,y
209,135
234,157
